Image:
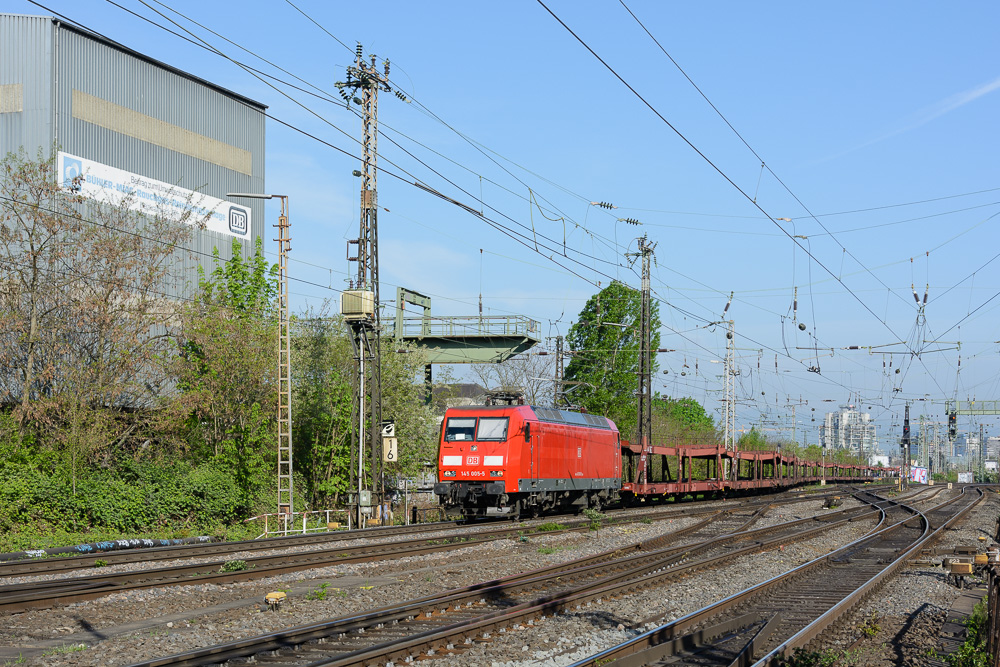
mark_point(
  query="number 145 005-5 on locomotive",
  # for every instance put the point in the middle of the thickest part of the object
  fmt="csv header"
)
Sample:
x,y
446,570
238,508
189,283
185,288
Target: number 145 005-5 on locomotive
x,y
523,460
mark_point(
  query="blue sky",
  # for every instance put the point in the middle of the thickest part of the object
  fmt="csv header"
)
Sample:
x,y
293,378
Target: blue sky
x,y
876,123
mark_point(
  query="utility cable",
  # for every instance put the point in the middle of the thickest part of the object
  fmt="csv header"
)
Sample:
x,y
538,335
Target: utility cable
x,y
719,171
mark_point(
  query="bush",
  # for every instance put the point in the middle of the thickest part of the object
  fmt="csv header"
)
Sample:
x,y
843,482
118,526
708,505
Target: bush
x,y
128,498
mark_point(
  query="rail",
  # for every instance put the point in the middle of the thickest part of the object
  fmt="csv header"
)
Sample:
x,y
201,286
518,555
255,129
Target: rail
x,y
814,629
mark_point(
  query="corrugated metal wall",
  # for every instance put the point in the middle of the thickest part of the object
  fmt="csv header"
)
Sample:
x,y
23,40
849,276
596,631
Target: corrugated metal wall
x,y
112,106
26,61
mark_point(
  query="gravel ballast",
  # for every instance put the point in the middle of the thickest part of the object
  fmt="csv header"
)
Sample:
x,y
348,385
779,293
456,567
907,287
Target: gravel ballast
x,y
164,621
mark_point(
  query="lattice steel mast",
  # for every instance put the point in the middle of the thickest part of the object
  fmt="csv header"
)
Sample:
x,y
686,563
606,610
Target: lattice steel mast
x,y
729,402
365,319
644,422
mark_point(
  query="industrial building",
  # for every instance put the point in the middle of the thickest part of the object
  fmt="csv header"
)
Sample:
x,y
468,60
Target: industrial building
x,y
125,122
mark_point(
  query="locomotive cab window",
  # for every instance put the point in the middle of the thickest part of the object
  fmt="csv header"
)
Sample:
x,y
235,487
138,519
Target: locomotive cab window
x,y
460,428
492,428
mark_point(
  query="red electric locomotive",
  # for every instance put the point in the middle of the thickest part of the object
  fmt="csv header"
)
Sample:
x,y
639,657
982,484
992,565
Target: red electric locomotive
x,y
513,460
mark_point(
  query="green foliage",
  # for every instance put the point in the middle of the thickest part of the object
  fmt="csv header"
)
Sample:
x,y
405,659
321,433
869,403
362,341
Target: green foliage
x,y
870,626
969,655
325,373
606,357
65,648
547,550
131,497
685,412
802,658
681,421
247,286
753,441
320,593
594,517
235,566
100,562
972,653
248,452
550,526
226,370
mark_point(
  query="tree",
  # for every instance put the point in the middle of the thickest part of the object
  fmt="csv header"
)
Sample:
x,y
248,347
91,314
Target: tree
x,y
85,315
226,370
753,441
37,217
323,395
325,377
605,345
527,372
682,421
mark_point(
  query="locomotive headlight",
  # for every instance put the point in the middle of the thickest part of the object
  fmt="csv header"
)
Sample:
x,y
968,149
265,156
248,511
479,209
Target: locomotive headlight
x,y
448,473
496,473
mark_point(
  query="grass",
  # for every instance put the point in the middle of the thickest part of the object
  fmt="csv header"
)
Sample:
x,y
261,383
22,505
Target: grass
x,y
320,593
550,526
66,648
548,550
235,566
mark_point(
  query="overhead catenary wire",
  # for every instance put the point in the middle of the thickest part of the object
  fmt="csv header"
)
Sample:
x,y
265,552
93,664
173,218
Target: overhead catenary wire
x,y
664,301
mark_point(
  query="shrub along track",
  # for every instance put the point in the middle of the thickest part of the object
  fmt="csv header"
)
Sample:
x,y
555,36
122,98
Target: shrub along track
x,y
458,617
765,623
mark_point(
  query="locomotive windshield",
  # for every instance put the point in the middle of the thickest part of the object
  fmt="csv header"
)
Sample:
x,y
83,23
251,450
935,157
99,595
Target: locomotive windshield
x,y
492,428
460,428
464,428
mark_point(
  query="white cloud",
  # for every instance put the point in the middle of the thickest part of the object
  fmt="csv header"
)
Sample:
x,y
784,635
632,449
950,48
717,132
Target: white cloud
x,y
928,114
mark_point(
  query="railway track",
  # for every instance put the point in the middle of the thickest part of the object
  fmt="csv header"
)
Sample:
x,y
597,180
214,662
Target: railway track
x,y
60,591
460,617
54,592
767,622
55,565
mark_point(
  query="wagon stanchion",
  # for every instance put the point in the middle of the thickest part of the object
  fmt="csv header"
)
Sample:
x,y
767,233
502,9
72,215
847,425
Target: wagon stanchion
x,y
993,615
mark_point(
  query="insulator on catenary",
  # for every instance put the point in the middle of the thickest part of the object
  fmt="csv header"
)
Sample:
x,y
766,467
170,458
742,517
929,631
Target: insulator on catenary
x,y
916,297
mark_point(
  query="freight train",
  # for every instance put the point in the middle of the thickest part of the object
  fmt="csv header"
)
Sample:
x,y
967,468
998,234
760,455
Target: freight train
x,y
520,460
